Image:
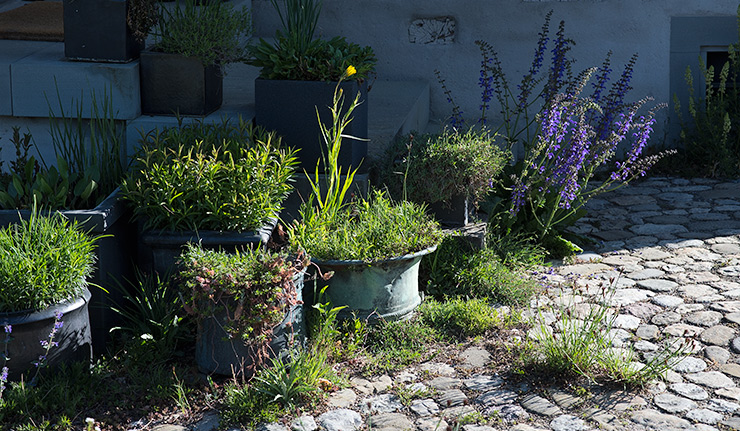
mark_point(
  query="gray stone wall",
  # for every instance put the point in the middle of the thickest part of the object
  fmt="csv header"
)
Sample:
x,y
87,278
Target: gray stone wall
x,y
412,38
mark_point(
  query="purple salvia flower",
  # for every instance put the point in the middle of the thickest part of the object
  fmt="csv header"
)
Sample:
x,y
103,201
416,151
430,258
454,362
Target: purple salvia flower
x,y
8,329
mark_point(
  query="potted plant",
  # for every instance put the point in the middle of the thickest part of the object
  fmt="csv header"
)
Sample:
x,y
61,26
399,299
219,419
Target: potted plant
x,y
299,73
44,265
106,30
248,306
451,172
372,245
182,73
221,184
83,186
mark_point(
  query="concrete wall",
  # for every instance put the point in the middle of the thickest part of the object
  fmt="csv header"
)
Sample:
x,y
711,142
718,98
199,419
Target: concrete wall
x,y
511,26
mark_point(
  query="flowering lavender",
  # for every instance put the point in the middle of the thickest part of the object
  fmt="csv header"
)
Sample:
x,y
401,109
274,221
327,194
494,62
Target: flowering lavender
x,y
4,371
48,344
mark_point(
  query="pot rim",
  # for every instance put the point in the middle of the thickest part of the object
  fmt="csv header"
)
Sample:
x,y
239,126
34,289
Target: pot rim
x,y
29,316
365,262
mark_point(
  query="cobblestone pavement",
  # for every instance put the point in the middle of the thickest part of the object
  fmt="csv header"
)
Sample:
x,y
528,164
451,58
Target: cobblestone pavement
x,y
674,247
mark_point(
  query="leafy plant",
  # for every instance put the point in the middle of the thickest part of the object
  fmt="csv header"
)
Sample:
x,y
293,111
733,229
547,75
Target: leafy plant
x,y
209,177
392,345
43,260
434,168
296,55
251,289
460,317
370,229
710,138
84,151
459,270
152,312
567,136
213,32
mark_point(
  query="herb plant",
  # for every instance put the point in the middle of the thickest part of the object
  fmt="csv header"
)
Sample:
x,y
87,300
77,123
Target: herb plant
x,y
296,55
568,134
710,138
435,168
209,177
369,229
43,260
212,31
90,161
253,289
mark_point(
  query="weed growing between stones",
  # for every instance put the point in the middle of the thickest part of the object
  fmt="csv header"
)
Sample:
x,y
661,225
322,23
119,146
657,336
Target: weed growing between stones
x,y
584,341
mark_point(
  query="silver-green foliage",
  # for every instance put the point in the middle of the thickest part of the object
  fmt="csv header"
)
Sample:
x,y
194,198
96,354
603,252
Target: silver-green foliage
x,y
209,177
43,260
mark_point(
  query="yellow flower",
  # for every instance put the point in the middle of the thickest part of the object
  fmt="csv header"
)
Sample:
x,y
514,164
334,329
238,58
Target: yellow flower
x,y
350,70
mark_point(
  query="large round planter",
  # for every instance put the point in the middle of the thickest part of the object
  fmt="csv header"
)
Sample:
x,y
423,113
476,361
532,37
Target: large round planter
x,y
387,290
216,353
29,328
159,250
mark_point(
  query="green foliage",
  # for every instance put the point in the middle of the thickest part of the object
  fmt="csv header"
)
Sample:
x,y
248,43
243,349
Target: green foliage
x,y
461,318
434,168
209,177
322,60
711,137
296,55
392,345
212,31
370,229
43,261
582,344
253,289
89,161
152,312
244,407
457,269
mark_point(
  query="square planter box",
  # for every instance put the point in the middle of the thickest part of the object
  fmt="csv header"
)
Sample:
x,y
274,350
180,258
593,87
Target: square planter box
x,y
289,108
115,257
97,30
159,250
172,84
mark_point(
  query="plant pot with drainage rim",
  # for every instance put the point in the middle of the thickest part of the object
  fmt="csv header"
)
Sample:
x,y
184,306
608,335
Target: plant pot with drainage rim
x,y
44,265
249,306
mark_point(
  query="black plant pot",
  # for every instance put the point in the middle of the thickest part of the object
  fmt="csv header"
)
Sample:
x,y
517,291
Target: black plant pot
x,y
97,30
159,250
115,257
289,108
172,84
29,328
455,212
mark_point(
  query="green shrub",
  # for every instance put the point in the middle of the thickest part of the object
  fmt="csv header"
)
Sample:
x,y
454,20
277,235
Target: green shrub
x,y
457,269
435,168
213,32
209,177
43,261
460,317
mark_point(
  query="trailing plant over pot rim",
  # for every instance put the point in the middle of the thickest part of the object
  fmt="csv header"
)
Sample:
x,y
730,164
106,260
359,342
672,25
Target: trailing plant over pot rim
x,y
248,292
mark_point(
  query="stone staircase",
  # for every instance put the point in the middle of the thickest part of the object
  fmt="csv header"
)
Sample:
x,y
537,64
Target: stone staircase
x,y
35,77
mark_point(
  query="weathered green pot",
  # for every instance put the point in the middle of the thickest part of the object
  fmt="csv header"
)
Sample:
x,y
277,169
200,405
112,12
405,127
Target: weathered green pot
x,y
216,353
387,290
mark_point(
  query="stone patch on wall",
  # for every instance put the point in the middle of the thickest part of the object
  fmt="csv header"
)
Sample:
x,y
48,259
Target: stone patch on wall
x,y
438,30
